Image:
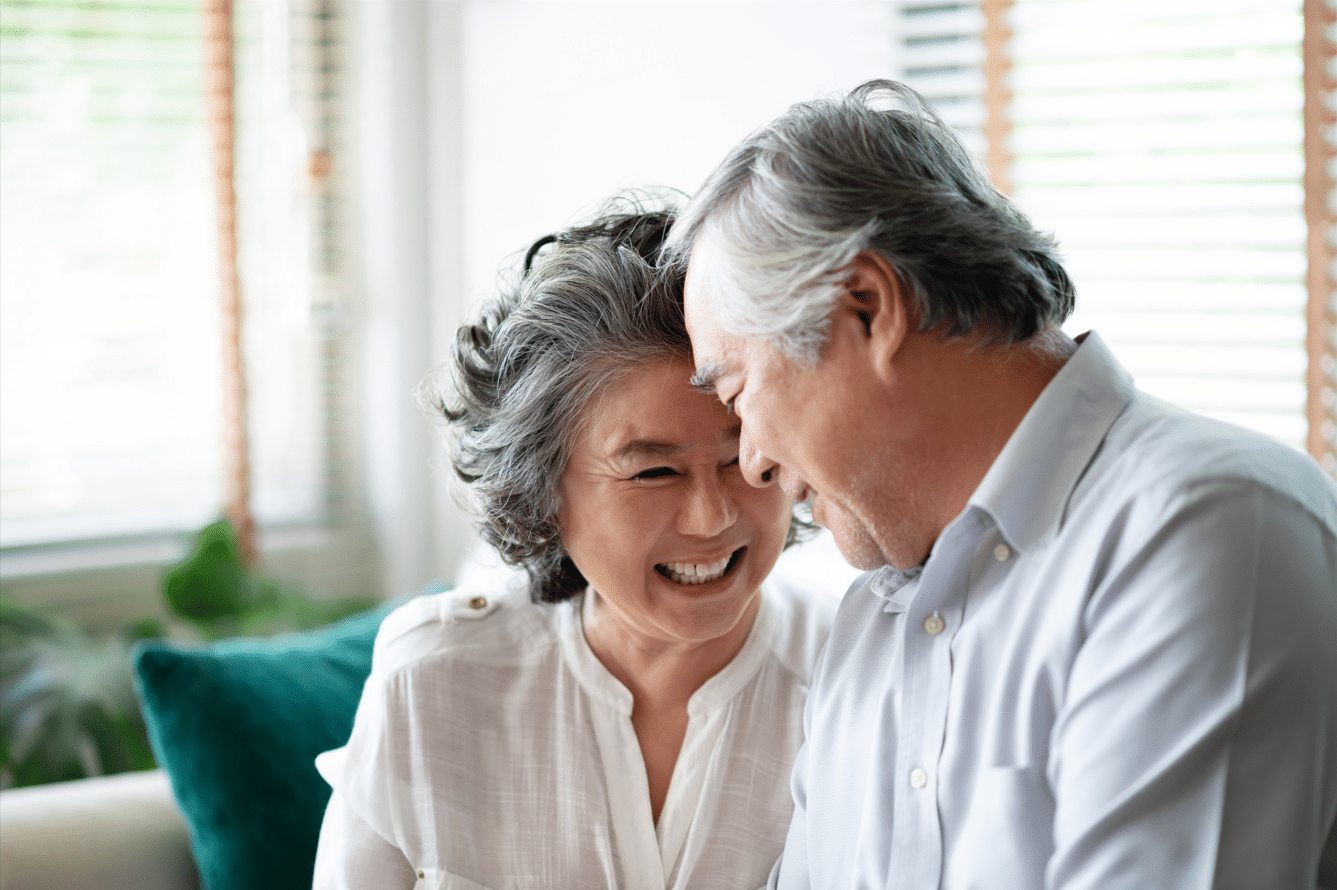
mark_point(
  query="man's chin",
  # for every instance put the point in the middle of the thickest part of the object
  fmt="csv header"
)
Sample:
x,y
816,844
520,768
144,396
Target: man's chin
x,y
861,558
852,539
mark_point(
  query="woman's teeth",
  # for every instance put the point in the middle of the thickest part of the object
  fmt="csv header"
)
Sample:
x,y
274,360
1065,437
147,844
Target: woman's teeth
x,y
695,573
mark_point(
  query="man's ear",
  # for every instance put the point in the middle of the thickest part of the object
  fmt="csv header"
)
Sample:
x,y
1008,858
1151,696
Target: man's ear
x,y
874,296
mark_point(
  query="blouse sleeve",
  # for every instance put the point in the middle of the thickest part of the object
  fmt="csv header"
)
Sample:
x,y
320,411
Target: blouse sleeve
x,y
352,855
367,773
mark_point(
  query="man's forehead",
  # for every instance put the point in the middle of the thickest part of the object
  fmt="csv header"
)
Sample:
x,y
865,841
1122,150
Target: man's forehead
x,y
701,282
715,351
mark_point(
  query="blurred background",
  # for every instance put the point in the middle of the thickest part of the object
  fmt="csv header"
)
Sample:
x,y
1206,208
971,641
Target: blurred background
x,y
389,156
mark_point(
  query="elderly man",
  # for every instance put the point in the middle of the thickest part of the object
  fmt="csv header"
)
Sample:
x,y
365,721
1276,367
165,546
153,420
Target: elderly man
x,y
1098,644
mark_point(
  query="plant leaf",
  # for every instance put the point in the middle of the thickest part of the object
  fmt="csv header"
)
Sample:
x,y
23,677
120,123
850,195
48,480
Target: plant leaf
x,y
211,583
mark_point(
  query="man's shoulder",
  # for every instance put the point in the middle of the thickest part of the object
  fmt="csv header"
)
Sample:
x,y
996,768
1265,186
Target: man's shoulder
x,y
1157,451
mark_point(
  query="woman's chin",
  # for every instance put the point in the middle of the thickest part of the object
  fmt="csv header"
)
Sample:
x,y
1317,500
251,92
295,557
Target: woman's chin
x,y
710,609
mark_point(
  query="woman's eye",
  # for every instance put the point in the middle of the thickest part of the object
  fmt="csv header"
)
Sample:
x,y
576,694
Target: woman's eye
x,y
656,473
732,463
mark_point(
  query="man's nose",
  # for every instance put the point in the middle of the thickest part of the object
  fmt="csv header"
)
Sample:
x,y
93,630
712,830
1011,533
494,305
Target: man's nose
x,y
759,470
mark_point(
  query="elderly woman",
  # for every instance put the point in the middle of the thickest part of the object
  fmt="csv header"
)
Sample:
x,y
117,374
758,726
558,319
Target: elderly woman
x,y
625,714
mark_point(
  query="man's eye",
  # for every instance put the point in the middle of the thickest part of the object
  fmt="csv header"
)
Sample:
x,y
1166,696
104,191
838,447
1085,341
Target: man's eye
x,y
728,406
656,473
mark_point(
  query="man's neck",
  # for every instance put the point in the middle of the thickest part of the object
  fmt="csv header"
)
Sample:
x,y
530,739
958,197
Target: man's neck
x,y
971,398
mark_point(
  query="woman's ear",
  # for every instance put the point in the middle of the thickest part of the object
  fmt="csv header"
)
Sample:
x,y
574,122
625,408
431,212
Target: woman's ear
x,y
873,295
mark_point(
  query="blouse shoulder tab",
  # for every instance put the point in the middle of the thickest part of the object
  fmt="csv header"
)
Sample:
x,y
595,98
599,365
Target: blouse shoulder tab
x,y
417,612
426,623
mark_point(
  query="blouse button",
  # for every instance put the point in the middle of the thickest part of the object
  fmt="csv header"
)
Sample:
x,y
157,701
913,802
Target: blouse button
x,y
478,602
934,624
1001,553
918,778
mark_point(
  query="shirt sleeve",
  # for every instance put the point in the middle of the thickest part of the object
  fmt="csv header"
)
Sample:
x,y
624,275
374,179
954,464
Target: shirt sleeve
x,y
1195,744
352,856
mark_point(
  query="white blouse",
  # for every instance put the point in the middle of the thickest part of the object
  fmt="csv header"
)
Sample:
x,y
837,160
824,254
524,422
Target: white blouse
x,y
493,750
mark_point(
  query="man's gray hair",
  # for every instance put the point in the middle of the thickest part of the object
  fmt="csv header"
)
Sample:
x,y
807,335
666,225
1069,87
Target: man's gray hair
x,y
877,169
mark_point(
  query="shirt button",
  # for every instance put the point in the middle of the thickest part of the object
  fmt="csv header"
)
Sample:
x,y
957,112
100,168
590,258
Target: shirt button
x,y
1001,553
934,624
478,602
918,778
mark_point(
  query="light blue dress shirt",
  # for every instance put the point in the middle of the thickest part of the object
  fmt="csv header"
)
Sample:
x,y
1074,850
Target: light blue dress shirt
x,y
1116,669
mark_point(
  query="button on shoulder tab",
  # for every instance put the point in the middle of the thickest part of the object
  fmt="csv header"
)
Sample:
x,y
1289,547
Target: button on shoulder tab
x,y
471,606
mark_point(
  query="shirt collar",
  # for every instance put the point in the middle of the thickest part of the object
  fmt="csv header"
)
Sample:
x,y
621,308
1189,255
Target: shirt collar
x,y
1029,483
894,585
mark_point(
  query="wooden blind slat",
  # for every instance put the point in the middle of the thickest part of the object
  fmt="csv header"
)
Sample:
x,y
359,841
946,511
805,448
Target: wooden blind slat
x,y
1321,307
220,89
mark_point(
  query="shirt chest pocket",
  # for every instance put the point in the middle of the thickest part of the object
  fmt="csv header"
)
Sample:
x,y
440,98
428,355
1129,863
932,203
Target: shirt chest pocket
x,y
439,879
1007,835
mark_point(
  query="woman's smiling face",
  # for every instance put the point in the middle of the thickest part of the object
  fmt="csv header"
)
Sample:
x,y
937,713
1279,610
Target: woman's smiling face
x,y
658,517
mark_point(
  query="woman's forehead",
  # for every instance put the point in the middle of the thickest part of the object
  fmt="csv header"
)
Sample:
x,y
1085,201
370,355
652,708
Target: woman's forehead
x,y
654,411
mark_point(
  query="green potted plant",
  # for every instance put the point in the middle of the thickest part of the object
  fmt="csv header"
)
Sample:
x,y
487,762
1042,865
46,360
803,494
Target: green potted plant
x,y
67,702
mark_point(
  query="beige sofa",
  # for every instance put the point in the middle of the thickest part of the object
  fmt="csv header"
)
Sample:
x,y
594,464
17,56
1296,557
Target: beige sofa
x,y
125,833
119,832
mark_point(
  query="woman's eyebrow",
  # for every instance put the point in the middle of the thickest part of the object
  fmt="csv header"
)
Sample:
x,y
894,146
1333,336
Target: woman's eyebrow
x,y
650,448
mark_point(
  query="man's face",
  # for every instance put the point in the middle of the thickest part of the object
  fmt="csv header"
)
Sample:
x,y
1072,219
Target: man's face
x,y
803,427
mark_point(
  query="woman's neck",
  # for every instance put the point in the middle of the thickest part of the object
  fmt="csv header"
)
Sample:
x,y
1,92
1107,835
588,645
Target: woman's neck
x,y
662,676
658,672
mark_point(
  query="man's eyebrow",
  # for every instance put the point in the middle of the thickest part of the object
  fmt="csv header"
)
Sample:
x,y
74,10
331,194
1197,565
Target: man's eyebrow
x,y
706,375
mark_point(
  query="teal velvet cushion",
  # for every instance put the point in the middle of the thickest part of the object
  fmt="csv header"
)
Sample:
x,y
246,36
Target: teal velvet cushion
x,y
236,725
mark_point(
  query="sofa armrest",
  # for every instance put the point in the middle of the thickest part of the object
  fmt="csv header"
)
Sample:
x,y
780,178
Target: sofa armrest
x,y
121,831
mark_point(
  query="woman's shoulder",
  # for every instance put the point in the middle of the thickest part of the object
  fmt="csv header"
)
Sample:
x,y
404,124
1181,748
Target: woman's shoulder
x,y
474,622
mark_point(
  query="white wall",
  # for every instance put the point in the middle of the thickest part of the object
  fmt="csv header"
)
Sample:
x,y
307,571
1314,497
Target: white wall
x,y
567,102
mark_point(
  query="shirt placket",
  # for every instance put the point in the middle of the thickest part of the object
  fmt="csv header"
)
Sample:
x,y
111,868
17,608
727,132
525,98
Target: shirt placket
x,y
932,617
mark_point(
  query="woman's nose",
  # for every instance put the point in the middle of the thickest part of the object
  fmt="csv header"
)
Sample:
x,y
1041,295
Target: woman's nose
x,y
710,509
759,470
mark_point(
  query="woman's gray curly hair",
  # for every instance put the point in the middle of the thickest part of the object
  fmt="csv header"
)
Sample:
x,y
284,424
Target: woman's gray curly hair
x,y
591,305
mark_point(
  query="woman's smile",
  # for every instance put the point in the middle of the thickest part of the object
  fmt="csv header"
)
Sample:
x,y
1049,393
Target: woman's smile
x,y
700,572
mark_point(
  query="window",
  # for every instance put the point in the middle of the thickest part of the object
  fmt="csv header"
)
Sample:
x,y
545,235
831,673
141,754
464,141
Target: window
x,y
110,390
944,61
1163,143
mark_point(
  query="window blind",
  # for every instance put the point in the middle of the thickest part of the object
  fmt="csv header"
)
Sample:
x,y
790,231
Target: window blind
x,y
943,60
1162,142
109,383
110,414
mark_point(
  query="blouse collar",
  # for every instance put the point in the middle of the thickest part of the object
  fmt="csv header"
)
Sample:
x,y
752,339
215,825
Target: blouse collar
x,y
720,689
